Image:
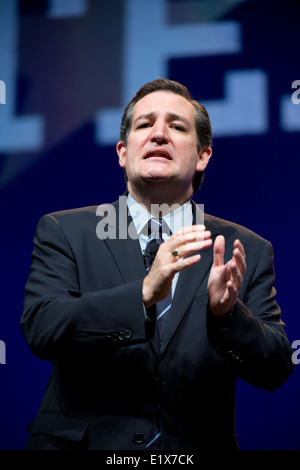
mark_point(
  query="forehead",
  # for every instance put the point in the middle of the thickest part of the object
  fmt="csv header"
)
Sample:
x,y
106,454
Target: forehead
x,y
164,103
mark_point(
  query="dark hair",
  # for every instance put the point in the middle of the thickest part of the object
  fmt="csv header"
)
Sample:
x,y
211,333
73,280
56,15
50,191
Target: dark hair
x,y
203,126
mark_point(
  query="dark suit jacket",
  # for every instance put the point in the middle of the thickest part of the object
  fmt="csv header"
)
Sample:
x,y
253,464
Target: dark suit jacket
x,y
83,311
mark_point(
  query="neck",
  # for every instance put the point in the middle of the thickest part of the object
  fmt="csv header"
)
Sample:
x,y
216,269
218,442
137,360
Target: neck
x,y
159,199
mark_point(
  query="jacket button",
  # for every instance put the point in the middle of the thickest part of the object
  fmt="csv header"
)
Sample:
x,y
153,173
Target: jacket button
x,y
128,334
115,337
121,335
138,438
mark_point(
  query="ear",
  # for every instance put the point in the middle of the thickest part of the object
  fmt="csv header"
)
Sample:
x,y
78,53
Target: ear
x,y
203,158
121,151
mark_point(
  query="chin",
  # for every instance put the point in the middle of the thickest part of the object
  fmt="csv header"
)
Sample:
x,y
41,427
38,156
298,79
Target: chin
x,y
156,178
157,173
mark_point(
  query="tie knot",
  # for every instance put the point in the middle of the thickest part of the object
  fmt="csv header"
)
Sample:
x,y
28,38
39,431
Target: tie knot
x,y
156,227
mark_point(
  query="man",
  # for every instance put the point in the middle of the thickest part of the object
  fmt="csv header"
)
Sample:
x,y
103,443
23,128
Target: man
x,y
94,308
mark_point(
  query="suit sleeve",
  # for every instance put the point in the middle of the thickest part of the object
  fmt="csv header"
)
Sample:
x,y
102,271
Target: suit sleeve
x,y
254,340
57,318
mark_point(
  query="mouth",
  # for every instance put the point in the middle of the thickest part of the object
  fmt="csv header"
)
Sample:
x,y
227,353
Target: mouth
x,y
158,153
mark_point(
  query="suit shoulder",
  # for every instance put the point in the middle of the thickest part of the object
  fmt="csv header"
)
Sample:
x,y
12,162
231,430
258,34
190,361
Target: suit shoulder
x,y
68,216
75,220
70,213
77,214
224,227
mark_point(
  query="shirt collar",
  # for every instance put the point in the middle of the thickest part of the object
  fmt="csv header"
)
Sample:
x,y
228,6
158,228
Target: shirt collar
x,y
181,217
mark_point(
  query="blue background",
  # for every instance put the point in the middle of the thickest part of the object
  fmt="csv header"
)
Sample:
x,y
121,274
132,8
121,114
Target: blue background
x,y
69,65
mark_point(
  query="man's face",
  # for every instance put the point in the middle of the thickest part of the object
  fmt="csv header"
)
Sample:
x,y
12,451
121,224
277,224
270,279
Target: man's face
x,y
162,143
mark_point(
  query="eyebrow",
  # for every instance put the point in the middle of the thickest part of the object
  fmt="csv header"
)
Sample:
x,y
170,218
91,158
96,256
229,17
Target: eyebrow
x,y
170,117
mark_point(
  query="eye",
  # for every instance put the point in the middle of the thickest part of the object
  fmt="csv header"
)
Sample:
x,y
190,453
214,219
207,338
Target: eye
x,y
144,125
177,127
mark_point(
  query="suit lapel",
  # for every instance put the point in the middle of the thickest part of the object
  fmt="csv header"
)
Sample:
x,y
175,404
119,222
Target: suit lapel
x,y
188,283
126,250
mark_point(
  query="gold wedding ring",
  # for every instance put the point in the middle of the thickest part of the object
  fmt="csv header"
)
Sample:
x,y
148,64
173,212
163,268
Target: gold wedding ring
x,y
175,253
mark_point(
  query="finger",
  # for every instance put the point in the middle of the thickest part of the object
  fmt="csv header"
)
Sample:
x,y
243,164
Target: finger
x,y
231,294
186,249
239,245
189,241
190,236
186,262
219,250
235,276
239,258
192,229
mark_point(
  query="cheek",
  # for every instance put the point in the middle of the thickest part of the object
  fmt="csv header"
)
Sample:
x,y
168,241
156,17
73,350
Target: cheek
x,y
188,145
134,148
189,154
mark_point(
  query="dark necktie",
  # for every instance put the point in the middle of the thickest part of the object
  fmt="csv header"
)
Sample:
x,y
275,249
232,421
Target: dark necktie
x,y
155,231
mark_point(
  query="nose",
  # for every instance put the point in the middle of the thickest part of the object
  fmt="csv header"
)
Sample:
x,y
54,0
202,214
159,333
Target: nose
x,y
159,133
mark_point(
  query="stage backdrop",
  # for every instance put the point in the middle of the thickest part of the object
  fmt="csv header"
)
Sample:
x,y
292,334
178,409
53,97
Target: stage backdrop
x,y
67,68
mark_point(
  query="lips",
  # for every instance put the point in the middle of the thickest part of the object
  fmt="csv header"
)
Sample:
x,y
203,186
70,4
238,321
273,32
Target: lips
x,y
161,153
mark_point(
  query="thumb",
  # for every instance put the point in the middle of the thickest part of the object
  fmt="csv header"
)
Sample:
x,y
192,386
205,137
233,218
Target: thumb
x,y
219,250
